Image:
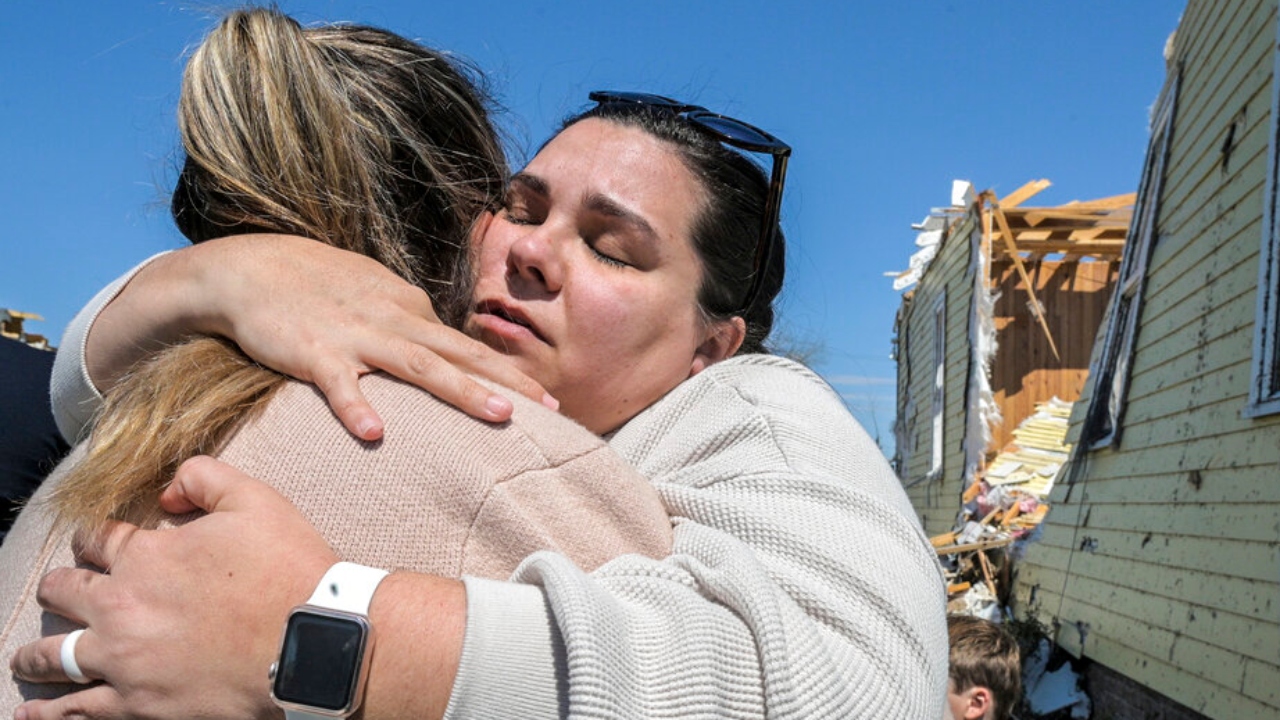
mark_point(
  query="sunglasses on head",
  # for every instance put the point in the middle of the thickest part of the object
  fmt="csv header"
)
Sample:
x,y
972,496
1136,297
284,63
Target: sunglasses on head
x,y
734,133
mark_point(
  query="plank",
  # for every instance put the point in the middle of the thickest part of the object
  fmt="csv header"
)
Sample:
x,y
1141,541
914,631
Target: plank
x,y
1024,193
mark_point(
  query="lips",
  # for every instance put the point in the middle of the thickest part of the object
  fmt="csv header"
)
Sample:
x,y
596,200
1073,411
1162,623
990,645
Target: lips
x,y
504,319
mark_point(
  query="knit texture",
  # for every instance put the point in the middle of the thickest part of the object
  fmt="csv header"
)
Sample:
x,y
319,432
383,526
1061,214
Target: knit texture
x,y
442,493
800,583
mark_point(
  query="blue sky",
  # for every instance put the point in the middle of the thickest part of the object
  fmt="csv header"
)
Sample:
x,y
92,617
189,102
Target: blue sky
x,y
884,104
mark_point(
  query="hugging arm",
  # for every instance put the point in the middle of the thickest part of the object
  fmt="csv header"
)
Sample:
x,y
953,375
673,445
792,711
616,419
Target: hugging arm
x,y
800,584
343,315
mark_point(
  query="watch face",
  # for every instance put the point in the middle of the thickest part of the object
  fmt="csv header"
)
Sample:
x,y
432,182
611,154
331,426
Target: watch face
x,y
319,664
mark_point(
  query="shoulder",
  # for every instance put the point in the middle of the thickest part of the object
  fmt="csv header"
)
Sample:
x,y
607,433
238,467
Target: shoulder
x,y
756,414
420,425
743,389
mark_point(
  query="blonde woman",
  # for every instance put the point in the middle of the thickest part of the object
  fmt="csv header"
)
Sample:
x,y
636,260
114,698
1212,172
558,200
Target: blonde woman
x,y
360,140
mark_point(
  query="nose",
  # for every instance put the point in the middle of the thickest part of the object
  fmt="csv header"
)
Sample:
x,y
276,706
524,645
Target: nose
x,y
535,258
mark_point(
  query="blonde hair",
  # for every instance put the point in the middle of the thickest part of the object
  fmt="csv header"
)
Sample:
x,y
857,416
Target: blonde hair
x,y
349,135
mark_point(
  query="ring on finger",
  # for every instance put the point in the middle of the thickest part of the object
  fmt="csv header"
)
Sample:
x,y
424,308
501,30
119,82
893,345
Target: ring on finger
x,y
68,654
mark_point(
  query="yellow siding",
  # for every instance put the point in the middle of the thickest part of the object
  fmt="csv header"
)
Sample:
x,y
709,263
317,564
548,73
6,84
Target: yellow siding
x,y
937,500
1161,561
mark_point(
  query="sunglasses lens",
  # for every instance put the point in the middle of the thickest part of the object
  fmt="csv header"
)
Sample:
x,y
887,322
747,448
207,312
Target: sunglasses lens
x,y
739,133
733,129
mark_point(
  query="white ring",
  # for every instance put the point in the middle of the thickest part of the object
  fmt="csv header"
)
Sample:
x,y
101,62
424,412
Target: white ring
x,y
68,653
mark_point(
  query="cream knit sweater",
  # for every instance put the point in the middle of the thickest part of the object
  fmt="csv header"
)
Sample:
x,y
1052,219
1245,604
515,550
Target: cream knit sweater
x,y
800,584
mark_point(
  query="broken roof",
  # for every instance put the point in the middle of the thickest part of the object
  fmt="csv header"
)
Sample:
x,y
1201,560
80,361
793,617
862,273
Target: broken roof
x,y
1076,230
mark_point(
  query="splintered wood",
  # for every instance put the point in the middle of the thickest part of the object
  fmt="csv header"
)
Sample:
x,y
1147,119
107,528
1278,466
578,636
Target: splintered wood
x,y
1004,503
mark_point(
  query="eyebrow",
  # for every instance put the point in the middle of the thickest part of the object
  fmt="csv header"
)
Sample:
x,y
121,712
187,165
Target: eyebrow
x,y
532,183
608,206
595,202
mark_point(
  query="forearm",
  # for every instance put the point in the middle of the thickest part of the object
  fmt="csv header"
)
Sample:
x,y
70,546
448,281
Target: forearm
x,y
157,306
419,622
75,393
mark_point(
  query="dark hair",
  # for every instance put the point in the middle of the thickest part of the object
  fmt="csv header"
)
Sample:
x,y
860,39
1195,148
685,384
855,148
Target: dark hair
x,y
727,230
983,654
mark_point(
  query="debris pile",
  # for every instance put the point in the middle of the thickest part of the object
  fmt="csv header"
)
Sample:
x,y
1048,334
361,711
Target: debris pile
x,y
1005,503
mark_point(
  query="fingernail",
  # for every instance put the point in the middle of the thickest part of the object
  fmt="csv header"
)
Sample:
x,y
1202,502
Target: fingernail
x,y
498,406
366,427
550,402
20,713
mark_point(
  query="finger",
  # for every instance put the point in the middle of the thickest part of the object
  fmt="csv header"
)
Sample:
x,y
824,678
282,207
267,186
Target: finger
x,y
340,386
475,357
203,483
99,701
68,592
41,661
442,378
101,547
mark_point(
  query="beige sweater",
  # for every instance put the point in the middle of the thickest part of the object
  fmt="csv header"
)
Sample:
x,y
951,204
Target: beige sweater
x,y
441,493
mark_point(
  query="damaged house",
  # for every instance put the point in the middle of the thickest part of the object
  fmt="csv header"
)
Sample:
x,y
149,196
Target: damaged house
x,y
1159,562
993,337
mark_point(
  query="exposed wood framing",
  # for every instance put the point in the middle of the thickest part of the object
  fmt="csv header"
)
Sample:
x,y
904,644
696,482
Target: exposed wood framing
x,y
1094,229
1024,193
1007,236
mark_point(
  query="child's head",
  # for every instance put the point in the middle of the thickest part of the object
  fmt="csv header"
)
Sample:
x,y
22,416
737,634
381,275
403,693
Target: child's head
x,y
985,670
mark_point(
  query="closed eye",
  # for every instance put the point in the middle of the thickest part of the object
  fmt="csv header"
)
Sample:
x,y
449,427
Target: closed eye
x,y
606,258
526,201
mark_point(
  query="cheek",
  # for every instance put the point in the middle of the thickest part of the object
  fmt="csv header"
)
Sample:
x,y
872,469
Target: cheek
x,y
488,255
602,316
639,325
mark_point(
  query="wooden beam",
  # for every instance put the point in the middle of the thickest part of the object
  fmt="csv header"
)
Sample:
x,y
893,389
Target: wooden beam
x,y
1033,235
1086,234
1038,215
1022,194
985,564
1090,247
981,545
942,540
1115,201
1036,308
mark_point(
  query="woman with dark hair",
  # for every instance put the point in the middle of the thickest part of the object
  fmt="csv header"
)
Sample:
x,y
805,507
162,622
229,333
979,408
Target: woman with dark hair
x,y
799,582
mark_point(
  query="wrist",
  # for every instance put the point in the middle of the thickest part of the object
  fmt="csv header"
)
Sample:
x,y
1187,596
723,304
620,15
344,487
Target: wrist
x,y
205,283
326,646
420,621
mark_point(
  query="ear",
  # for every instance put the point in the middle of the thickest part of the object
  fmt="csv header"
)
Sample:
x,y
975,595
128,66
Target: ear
x,y
979,703
723,338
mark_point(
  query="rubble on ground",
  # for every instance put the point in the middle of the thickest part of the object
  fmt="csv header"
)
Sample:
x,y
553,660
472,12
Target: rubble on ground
x,y
1004,505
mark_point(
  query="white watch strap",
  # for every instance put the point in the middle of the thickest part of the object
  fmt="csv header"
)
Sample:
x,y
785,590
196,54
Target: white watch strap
x,y
348,587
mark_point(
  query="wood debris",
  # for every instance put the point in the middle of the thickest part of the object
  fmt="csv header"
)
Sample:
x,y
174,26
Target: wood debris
x,y
1005,503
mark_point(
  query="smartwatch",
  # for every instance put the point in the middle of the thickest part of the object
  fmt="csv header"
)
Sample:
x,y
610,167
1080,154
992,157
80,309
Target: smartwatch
x,y
326,645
